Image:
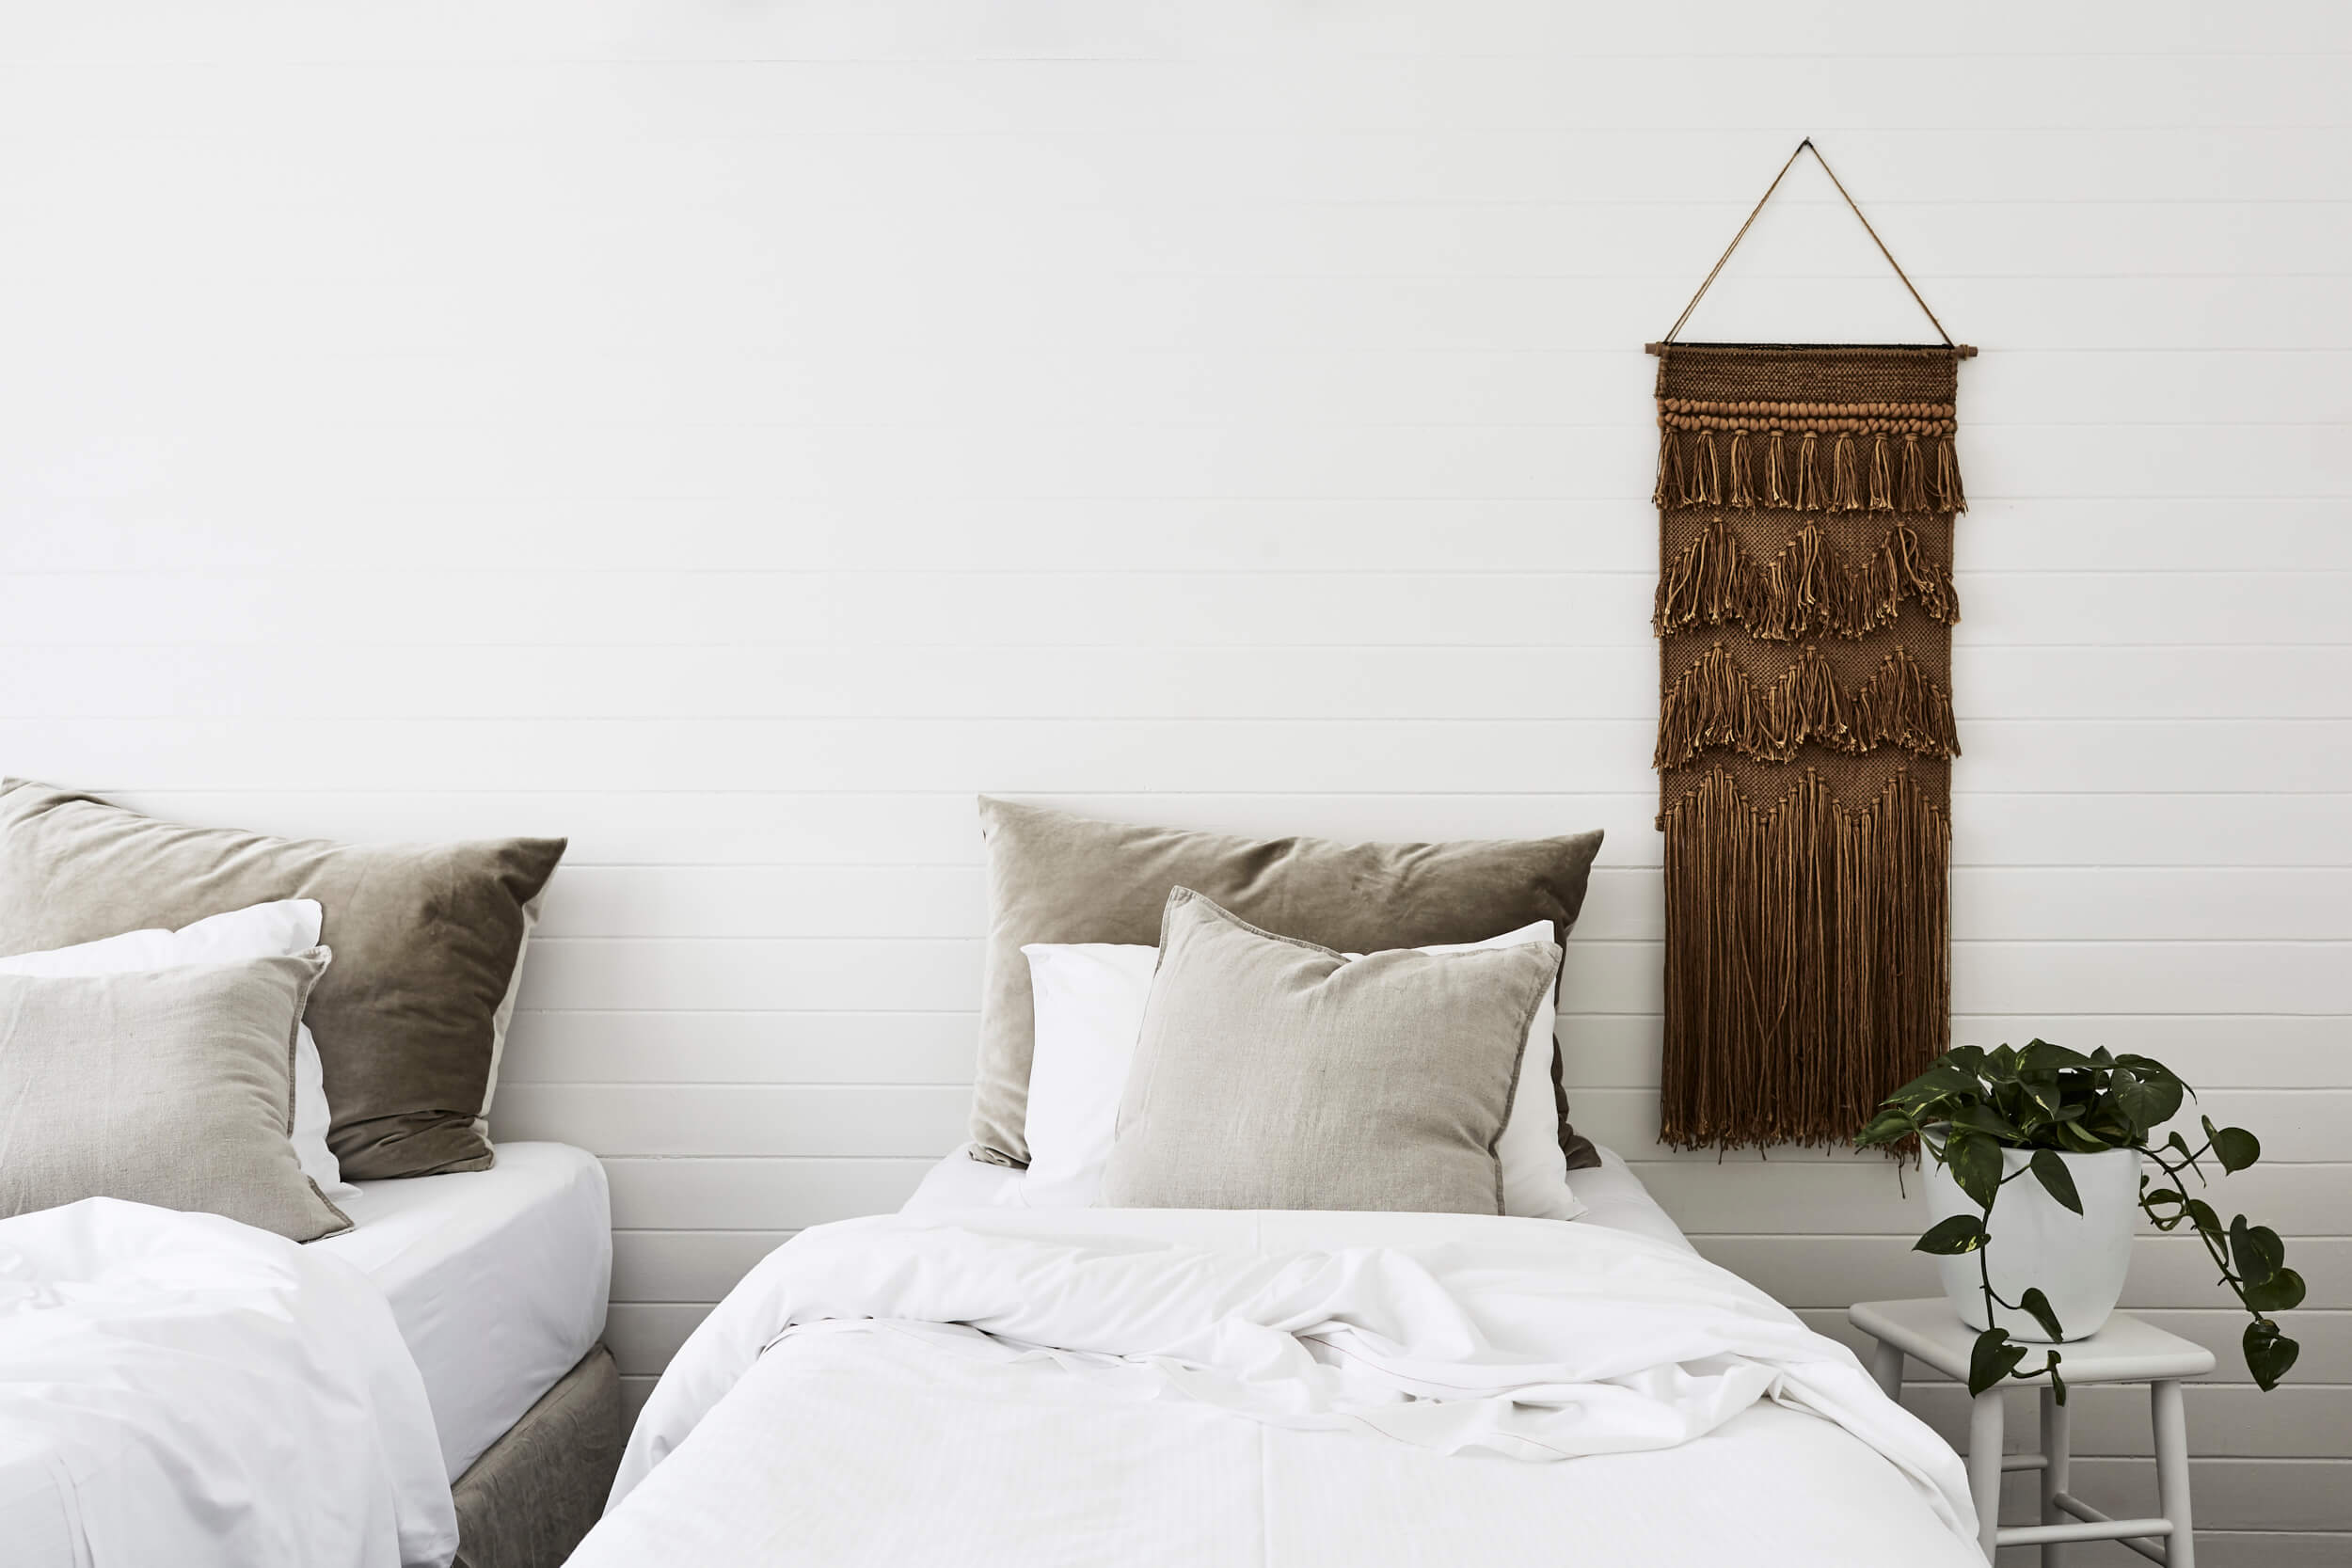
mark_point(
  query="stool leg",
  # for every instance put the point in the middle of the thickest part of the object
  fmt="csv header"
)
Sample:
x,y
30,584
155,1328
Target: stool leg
x,y
2172,1424
1984,1467
2056,1436
1886,1366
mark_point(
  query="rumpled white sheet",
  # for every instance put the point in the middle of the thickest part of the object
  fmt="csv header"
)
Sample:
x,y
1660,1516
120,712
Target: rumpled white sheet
x,y
1526,1339
181,1389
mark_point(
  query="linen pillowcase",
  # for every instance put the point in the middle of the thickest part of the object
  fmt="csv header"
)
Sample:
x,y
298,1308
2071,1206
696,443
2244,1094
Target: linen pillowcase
x,y
1058,878
1274,1073
428,938
1090,998
169,1087
265,930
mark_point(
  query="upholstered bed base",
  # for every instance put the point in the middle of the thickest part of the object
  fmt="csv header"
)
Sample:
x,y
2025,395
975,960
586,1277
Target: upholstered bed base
x,y
532,1495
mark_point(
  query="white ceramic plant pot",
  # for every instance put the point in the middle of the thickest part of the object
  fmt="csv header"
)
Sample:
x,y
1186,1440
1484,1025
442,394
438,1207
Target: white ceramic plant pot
x,y
2077,1260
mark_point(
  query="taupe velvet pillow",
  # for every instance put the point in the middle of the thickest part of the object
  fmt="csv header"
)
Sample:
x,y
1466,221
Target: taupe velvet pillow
x,y
1059,878
1273,1073
169,1087
427,941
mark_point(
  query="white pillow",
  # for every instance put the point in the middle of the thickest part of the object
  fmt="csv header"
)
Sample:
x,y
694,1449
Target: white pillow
x,y
262,931
1090,1009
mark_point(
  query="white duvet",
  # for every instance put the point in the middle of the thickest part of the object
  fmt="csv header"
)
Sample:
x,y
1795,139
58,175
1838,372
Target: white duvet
x,y
179,1389
1279,1389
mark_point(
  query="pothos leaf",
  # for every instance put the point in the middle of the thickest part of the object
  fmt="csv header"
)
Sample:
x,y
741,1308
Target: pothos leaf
x,y
2038,1307
1994,1357
2235,1148
1938,1081
1976,1165
1951,1238
2281,1292
2144,1102
2256,1250
1985,1119
2268,1354
1885,1128
2200,1213
2058,1383
2042,1056
2049,1168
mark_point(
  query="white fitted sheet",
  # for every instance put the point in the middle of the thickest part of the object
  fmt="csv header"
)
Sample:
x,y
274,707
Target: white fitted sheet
x,y
497,1280
1612,1195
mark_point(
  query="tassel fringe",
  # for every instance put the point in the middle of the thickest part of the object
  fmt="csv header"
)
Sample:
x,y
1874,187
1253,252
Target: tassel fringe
x,y
1825,473
1805,590
1807,968
1715,704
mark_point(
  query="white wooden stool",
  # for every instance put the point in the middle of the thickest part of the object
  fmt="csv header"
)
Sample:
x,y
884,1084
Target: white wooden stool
x,y
2126,1351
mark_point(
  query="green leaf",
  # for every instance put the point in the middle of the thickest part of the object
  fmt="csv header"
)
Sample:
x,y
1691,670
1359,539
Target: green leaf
x,y
2074,1136
2042,1056
2235,1148
1999,1062
2167,1198
2058,1383
1933,1085
1976,1165
1995,1357
2144,1104
2200,1213
2038,1304
2049,1168
1968,1059
2268,1354
2256,1250
1889,1125
1985,1119
1951,1238
2281,1292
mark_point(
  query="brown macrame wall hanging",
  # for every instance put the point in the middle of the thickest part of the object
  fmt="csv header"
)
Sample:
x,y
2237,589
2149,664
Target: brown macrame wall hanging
x,y
1805,500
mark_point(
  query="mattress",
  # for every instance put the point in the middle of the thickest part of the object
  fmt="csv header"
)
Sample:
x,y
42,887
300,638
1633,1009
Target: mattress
x,y
497,1280
1612,1195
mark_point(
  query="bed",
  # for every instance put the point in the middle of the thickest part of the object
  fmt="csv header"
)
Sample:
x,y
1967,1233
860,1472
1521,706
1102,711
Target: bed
x,y
845,1442
497,1280
1274,1244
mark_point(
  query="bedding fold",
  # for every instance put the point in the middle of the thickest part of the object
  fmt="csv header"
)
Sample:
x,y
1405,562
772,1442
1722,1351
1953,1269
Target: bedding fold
x,y
178,1388
1532,1340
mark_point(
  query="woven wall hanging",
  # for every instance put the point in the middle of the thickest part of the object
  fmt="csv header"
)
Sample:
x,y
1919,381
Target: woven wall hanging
x,y
1805,497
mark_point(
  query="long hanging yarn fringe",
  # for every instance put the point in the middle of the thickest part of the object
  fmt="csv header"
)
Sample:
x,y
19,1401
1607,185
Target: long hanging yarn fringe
x,y
1808,944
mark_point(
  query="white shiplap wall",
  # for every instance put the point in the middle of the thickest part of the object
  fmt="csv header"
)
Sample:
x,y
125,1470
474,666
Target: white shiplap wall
x,y
735,434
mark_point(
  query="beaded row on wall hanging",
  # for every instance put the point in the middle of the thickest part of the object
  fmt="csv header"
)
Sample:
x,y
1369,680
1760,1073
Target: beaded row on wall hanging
x,y
1805,496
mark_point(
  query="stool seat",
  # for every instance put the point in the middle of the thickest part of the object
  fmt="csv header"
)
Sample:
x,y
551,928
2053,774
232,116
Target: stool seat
x,y
2125,1350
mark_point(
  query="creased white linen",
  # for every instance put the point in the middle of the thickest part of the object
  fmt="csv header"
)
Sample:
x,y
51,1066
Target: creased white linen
x,y
1525,1339
176,1388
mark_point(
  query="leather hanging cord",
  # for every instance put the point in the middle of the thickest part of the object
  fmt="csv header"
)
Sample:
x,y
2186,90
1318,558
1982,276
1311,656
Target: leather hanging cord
x,y
1803,147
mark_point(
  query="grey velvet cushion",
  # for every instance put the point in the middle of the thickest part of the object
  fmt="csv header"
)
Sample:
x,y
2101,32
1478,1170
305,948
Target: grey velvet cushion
x,y
1273,1073
1055,877
427,941
169,1087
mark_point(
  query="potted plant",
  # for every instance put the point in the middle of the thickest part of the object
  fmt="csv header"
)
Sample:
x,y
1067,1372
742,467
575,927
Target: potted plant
x,y
2079,1127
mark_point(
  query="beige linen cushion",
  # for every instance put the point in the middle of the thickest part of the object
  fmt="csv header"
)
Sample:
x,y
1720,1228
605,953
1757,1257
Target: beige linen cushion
x,y
1273,1073
428,941
169,1087
1055,877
